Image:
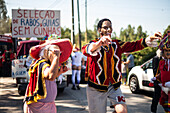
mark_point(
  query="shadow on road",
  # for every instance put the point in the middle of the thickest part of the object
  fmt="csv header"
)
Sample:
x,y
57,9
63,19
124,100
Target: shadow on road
x,y
7,86
146,93
140,102
72,101
10,100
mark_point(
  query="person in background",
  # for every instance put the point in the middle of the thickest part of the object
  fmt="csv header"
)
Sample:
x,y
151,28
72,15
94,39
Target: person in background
x,y
42,88
77,61
4,64
124,72
12,55
104,68
8,56
157,88
130,61
1,60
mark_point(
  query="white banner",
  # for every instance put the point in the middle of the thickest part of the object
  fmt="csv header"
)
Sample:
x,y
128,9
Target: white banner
x,y
18,69
35,23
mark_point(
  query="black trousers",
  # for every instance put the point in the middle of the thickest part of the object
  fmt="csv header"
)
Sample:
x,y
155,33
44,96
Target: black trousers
x,y
156,96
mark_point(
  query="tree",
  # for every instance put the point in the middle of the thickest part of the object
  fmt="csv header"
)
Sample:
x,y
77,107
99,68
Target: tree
x,y
139,32
114,36
129,34
5,22
91,34
95,28
65,33
3,10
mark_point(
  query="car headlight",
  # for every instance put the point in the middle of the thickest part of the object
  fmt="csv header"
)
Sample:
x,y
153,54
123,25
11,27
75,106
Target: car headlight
x,y
23,80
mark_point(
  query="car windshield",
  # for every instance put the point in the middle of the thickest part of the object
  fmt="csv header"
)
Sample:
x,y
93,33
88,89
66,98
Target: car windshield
x,y
147,64
24,47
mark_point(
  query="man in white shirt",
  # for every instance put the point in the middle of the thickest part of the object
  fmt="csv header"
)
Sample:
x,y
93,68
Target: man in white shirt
x,y
77,58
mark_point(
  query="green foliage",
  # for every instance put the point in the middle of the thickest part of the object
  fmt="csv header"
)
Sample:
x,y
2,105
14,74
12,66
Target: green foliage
x,y
65,33
91,35
3,10
129,34
5,22
95,28
5,25
143,55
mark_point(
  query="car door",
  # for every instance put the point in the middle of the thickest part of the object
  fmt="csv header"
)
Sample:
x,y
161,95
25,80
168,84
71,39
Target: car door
x,y
148,73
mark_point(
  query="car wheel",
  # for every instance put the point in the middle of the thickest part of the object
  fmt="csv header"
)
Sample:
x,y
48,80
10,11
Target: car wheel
x,y
21,93
134,85
21,90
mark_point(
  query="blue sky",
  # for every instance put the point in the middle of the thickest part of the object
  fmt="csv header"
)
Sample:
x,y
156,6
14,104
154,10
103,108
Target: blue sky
x,y
152,15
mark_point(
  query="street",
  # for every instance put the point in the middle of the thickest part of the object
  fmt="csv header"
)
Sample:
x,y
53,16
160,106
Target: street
x,y
70,101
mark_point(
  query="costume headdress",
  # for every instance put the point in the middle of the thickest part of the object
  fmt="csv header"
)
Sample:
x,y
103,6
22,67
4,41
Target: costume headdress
x,y
164,44
165,47
51,37
64,44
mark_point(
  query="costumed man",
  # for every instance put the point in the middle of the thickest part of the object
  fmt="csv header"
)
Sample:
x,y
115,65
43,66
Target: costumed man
x,y
104,68
42,88
164,75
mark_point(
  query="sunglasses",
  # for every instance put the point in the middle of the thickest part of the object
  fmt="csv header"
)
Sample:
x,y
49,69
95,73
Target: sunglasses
x,y
106,28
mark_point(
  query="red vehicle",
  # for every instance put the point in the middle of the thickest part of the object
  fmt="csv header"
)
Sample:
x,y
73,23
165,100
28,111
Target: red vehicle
x,y
7,47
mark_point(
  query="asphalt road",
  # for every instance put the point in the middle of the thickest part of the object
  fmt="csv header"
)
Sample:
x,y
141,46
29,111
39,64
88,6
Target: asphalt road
x,y
70,101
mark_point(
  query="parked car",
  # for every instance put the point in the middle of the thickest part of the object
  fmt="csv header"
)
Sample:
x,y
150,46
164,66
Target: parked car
x,y
139,77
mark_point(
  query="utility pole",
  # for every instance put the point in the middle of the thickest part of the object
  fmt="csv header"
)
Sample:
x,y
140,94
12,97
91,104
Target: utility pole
x,y
72,30
86,20
79,24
